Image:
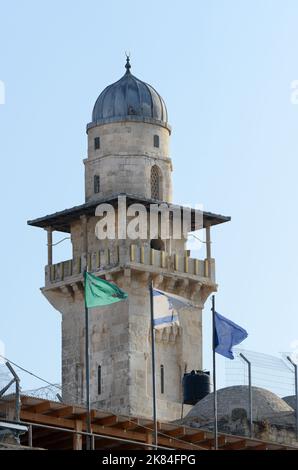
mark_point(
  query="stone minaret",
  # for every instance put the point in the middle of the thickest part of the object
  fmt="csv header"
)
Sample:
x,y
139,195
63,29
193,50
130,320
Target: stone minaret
x,y
128,155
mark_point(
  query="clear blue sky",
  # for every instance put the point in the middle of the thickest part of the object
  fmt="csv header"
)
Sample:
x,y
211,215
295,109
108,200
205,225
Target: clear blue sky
x,y
224,69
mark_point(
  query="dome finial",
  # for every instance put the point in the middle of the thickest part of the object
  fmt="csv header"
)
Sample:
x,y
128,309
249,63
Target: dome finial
x,y
127,65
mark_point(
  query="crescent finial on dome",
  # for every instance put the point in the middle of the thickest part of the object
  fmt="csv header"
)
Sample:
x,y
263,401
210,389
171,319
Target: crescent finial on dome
x,y
127,65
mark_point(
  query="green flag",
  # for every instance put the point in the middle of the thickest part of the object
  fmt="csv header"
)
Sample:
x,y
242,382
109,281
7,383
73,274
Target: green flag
x,y
99,292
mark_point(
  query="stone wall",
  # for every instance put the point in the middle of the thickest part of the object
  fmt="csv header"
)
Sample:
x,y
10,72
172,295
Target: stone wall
x,y
125,158
275,429
120,344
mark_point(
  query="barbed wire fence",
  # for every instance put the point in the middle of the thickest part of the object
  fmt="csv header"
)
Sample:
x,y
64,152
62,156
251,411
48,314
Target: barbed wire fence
x,y
8,390
270,372
51,392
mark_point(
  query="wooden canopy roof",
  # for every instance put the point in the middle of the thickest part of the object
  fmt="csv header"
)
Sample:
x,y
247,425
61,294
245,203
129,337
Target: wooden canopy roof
x,y
62,220
61,426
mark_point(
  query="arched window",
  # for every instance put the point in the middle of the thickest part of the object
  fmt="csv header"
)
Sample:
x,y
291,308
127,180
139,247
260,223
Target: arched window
x,y
157,244
156,183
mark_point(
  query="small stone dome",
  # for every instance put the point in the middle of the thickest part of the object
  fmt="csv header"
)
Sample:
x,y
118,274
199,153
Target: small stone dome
x,y
265,403
129,99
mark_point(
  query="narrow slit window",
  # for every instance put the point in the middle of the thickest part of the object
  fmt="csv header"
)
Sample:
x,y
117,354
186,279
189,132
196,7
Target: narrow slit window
x,y
156,141
96,184
97,143
162,379
99,380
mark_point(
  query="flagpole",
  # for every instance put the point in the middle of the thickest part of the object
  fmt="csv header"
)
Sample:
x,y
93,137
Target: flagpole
x,y
214,377
87,360
153,364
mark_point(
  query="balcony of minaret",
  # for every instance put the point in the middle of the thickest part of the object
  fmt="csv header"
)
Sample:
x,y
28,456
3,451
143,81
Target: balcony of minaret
x,y
182,275
125,261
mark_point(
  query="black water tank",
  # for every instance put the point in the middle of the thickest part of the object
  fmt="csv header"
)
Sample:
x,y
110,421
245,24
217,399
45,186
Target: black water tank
x,y
196,385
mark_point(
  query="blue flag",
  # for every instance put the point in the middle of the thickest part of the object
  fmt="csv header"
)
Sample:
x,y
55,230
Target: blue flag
x,y
227,335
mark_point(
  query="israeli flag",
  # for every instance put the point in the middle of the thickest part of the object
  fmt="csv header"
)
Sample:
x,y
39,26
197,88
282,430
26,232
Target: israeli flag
x,y
166,308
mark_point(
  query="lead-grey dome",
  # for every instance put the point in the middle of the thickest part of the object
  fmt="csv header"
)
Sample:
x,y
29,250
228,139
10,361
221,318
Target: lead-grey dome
x,y
129,99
